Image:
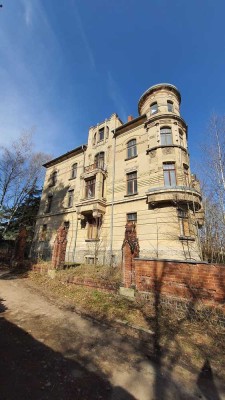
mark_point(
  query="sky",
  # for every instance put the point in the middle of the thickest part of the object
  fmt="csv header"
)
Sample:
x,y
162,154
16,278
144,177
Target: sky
x,y
66,65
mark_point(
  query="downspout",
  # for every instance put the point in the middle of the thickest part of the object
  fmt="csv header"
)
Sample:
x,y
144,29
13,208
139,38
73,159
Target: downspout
x,y
112,201
75,243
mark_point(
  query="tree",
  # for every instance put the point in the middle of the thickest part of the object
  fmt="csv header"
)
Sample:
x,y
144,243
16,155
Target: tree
x,y
20,175
213,189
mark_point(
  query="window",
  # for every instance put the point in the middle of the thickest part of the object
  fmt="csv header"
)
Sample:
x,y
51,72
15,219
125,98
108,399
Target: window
x,y
166,136
181,138
53,178
132,183
101,134
94,225
74,171
154,108
184,222
99,160
66,225
132,217
49,204
170,106
131,148
94,139
186,175
169,174
90,188
70,198
43,235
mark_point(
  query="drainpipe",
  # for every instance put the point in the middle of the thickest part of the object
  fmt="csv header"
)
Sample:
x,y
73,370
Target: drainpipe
x,y
112,202
75,243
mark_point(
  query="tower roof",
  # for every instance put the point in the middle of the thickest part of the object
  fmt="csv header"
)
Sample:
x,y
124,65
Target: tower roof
x,y
154,88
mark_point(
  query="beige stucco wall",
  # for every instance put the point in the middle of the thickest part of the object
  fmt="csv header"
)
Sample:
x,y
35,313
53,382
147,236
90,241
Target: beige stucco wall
x,y
158,227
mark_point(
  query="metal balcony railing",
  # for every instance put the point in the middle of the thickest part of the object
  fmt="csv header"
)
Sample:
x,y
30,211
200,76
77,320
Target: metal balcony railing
x,y
97,165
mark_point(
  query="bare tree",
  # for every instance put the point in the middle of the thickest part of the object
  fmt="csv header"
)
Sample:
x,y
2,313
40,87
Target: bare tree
x,y
20,174
213,189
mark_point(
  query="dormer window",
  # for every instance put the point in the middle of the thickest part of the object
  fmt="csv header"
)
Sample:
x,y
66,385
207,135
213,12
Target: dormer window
x,y
154,108
74,171
101,134
170,106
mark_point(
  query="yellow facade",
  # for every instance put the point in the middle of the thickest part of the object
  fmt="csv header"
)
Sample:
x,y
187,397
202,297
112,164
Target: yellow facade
x,y
137,171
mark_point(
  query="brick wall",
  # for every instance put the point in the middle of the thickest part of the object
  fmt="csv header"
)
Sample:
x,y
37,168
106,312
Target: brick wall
x,y
188,281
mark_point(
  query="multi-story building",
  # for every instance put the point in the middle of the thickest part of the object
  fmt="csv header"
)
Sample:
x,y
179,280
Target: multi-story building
x,y
135,171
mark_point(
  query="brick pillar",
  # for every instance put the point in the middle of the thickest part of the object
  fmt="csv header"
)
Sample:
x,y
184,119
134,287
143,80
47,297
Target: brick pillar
x,y
59,249
20,247
130,249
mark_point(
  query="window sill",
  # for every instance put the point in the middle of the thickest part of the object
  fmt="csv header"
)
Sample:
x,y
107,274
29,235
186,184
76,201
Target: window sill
x,y
131,158
92,240
189,238
131,194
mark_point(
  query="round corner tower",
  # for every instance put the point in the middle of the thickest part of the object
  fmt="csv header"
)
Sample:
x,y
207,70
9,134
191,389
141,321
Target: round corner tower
x,y
173,191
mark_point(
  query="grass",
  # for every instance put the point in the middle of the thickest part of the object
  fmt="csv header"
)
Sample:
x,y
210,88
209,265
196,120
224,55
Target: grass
x,y
190,342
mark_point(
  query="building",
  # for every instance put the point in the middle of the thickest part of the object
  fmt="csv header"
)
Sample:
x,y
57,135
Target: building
x,y
135,171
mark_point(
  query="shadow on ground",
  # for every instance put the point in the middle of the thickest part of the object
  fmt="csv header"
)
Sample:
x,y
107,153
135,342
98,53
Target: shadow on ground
x,y
30,370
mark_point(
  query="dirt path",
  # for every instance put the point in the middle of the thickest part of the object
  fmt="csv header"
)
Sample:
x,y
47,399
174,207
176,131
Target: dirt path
x,y
48,353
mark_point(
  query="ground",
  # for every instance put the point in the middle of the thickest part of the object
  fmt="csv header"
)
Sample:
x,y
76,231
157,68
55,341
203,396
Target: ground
x,y
50,352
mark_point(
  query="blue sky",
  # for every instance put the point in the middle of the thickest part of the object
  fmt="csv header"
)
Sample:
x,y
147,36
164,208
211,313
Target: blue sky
x,y
68,64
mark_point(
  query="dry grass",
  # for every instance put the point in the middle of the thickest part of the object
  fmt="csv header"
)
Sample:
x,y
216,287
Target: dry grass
x,y
189,342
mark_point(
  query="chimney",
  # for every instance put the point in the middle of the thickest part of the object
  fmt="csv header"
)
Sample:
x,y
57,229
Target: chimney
x,y
129,118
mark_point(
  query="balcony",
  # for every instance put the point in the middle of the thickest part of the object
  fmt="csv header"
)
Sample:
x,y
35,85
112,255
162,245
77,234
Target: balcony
x,y
95,207
96,166
175,195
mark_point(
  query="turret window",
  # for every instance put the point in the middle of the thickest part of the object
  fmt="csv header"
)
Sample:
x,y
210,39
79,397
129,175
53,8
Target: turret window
x,y
181,138
131,148
154,108
186,175
166,136
169,174
170,106
184,222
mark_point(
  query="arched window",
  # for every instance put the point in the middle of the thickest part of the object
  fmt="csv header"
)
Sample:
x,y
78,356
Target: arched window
x,y
101,134
154,108
169,105
74,171
99,160
166,136
131,148
94,139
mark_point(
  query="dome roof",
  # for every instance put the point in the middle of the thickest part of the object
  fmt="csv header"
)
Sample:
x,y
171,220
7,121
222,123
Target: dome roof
x,y
154,88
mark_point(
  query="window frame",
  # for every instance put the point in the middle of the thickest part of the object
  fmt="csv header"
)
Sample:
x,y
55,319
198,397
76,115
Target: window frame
x,y
152,110
170,106
169,174
131,149
166,138
101,134
90,185
132,183
70,199
73,171
49,204
134,220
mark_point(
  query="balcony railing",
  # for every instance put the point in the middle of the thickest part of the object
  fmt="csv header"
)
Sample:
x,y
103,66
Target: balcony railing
x,y
97,165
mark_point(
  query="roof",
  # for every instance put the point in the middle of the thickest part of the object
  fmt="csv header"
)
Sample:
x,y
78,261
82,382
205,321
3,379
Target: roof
x,y
65,156
129,125
155,88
